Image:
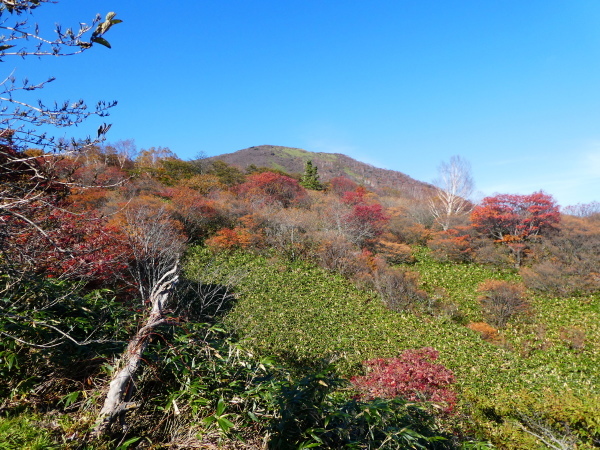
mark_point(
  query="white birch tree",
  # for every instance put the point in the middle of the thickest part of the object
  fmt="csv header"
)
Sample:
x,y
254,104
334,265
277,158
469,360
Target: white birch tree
x,y
454,188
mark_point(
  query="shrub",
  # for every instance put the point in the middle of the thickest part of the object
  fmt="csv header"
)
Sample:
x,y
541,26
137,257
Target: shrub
x,y
567,263
413,376
341,185
395,253
336,253
229,239
272,188
545,277
501,300
310,414
574,337
408,230
397,288
490,253
453,245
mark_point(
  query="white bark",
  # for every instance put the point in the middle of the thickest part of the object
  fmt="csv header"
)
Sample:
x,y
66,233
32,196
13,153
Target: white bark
x,y
454,187
116,402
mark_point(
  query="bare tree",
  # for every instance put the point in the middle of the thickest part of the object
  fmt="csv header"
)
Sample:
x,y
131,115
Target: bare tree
x,y
454,187
30,178
157,245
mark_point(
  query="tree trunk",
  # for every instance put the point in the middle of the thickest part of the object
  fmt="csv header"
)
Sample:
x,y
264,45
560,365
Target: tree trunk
x,y
116,402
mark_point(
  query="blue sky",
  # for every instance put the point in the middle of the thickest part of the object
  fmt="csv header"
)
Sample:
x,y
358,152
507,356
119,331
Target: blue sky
x,y
510,85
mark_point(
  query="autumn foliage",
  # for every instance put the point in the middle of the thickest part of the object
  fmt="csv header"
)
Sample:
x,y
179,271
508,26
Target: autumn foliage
x,y
453,245
413,375
341,185
272,188
69,245
487,332
366,219
516,215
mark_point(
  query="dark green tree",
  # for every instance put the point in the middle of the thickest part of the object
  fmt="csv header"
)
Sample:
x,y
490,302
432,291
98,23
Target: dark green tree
x,y
310,178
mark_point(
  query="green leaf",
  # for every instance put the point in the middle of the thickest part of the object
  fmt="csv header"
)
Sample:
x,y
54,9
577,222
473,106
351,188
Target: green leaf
x,y
221,406
125,445
225,424
308,445
71,398
101,41
208,420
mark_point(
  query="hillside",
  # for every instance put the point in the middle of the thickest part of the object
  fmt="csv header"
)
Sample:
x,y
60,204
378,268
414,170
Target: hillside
x,y
330,165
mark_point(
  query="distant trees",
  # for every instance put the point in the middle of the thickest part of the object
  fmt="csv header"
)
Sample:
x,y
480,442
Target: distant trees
x,y
583,209
454,188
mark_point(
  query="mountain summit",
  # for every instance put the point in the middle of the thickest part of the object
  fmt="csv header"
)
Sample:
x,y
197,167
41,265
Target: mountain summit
x,y
330,165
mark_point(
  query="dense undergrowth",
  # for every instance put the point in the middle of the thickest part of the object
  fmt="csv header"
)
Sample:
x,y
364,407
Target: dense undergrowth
x,y
534,370
271,371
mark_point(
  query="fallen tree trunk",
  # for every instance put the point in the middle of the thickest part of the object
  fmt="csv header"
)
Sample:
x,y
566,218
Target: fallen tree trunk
x,y
116,402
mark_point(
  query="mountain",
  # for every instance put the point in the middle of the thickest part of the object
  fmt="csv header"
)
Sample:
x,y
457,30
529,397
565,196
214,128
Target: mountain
x,y
330,165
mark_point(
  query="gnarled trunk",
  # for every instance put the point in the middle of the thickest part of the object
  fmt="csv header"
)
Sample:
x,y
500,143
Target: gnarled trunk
x,y
116,402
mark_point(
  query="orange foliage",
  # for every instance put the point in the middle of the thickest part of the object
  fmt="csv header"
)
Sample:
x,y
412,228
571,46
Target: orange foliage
x,y
229,239
249,234
487,332
198,214
452,245
394,252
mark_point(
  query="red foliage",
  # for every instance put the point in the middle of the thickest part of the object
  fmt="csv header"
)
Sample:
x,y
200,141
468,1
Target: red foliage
x,y
516,215
72,246
355,197
269,188
341,185
413,376
366,221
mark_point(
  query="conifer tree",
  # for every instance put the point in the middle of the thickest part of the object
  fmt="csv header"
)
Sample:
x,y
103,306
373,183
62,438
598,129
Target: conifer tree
x,y
310,178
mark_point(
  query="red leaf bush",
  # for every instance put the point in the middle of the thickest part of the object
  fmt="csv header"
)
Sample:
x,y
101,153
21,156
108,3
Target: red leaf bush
x,y
413,376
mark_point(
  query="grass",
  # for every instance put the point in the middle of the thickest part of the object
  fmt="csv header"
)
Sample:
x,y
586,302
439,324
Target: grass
x,y
24,432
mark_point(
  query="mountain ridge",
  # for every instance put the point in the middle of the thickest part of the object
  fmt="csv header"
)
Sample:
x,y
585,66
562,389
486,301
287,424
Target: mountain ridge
x,y
329,165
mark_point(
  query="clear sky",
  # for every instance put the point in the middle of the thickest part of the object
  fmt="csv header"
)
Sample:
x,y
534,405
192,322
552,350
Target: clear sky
x,y
513,86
